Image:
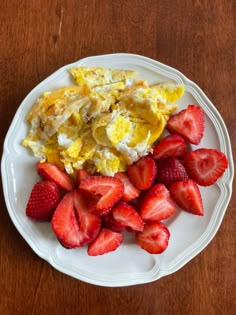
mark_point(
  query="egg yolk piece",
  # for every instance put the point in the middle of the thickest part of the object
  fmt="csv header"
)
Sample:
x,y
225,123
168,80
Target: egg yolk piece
x,y
118,130
141,129
168,91
107,162
99,125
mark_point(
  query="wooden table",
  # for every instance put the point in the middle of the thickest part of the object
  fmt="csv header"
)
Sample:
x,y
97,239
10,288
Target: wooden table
x,y
196,37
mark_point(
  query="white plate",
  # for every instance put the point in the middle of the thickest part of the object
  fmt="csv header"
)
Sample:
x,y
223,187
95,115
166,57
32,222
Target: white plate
x,y
129,264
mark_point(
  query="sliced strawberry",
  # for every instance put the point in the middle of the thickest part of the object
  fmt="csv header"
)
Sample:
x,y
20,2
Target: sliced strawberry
x,y
205,166
127,215
130,191
52,172
110,223
156,204
72,223
171,145
189,123
107,241
170,170
89,223
135,203
187,196
104,191
43,201
82,174
142,172
65,223
154,238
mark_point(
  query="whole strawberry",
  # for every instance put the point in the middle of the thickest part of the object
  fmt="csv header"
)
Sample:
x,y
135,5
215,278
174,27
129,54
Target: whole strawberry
x,y
170,170
43,201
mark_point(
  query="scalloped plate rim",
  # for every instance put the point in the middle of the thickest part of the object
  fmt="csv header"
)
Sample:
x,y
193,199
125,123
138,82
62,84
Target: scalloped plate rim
x,y
160,272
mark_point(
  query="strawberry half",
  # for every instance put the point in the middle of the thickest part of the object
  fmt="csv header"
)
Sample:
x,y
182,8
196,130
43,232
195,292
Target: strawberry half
x,y
187,196
72,223
110,223
170,170
189,123
81,174
54,173
102,192
130,191
127,215
171,145
142,172
65,223
156,204
89,223
43,201
205,166
154,238
107,241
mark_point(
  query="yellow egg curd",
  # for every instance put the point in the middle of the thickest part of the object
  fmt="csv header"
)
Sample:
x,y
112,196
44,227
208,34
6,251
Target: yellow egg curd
x,y
104,123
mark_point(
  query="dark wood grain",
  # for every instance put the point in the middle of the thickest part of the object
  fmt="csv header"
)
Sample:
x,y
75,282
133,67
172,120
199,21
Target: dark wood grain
x,y
196,37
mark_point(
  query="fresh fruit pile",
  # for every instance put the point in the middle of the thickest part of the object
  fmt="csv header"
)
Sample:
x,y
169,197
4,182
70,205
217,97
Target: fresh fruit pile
x,y
94,210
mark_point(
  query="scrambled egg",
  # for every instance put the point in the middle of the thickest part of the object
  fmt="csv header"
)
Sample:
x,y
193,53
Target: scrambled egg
x,y
103,123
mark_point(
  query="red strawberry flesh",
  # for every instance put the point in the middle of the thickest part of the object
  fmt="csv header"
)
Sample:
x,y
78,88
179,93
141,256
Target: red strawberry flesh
x,y
54,173
154,238
82,174
142,172
187,196
205,166
110,223
127,215
65,223
171,145
130,191
189,123
90,224
156,204
104,190
107,241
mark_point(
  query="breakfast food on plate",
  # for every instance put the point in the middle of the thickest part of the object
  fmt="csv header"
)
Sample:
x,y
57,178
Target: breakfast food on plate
x,y
102,192
128,216
103,124
170,170
172,145
187,196
99,76
142,172
104,168
189,123
43,201
70,232
130,190
156,204
154,238
107,241
205,166
52,172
